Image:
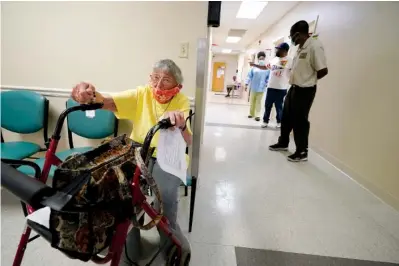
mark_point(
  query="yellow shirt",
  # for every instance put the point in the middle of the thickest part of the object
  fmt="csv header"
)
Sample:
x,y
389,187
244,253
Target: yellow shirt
x,y
144,111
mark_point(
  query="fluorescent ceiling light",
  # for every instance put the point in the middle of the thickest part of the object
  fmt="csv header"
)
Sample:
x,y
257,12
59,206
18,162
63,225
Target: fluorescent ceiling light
x,y
226,51
251,9
232,39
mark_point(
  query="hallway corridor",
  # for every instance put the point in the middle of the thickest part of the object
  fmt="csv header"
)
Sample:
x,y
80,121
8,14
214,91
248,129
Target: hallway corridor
x,y
252,197
253,207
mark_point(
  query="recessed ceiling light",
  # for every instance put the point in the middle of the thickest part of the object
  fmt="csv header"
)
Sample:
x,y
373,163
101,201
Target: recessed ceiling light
x,y
232,39
226,51
251,9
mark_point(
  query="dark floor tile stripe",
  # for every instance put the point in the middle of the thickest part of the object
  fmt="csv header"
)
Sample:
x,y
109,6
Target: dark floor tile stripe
x,y
228,103
210,124
261,257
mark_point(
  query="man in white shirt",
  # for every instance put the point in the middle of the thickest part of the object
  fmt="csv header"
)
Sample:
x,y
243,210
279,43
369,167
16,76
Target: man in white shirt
x,y
309,65
232,86
278,83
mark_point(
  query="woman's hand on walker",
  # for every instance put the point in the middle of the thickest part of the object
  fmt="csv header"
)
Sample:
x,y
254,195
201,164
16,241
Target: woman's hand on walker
x,y
176,118
84,93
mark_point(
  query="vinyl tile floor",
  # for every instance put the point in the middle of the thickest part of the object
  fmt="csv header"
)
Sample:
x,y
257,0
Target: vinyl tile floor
x,y
253,198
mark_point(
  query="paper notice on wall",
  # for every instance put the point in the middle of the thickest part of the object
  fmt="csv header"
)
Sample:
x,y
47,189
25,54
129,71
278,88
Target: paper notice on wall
x,y
171,153
220,73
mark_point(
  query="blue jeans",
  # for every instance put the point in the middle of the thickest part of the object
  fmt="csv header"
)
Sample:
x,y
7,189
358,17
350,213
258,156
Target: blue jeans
x,y
169,187
276,97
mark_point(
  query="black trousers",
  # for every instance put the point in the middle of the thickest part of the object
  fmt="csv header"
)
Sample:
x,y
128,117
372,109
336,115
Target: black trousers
x,y
296,109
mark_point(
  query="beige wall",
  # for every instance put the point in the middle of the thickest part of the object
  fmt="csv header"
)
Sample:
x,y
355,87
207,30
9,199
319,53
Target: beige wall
x,y
354,120
111,44
240,66
231,67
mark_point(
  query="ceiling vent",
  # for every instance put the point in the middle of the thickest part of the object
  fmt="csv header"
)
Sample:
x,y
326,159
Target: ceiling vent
x,y
236,33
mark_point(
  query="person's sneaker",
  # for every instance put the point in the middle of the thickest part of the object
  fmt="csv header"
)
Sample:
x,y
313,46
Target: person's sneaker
x,y
278,147
257,118
298,156
250,116
264,125
278,125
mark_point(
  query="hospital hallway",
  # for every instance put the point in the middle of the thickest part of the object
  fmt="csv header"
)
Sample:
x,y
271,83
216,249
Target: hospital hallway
x,y
213,66
252,204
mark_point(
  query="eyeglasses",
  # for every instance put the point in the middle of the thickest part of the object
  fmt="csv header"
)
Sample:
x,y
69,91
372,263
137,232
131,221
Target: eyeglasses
x,y
165,81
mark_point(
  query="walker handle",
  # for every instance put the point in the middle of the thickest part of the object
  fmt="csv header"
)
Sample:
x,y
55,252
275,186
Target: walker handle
x,y
64,114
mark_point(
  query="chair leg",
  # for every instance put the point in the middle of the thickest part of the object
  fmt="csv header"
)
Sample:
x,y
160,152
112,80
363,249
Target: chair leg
x,y
192,202
185,191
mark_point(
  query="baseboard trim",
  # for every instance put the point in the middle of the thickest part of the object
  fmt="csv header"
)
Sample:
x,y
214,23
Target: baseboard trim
x,y
325,159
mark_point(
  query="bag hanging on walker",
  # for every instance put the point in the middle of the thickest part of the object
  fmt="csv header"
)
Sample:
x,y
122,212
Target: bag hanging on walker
x,y
100,204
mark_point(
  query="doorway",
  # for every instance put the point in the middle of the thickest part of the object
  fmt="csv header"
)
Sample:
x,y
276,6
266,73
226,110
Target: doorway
x,y
218,76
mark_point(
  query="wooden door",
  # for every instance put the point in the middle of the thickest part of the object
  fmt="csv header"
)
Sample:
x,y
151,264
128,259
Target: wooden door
x,y
218,75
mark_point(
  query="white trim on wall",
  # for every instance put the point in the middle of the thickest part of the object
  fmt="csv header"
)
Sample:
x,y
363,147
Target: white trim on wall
x,y
52,92
57,92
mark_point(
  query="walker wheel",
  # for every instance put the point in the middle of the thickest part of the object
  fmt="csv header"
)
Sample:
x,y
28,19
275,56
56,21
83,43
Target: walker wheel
x,y
173,259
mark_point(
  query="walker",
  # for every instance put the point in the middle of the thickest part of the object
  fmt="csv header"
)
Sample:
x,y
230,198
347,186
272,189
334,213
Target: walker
x,y
35,195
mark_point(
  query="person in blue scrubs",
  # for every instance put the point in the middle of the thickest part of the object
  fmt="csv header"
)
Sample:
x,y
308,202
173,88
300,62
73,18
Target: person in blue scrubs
x,y
257,80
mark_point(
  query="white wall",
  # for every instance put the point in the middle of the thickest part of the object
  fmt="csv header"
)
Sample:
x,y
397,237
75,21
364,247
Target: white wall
x,y
240,66
231,66
112,44
354,119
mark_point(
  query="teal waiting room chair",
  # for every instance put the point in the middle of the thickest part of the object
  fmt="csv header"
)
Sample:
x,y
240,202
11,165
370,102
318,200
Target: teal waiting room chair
x,y
23,112
103,125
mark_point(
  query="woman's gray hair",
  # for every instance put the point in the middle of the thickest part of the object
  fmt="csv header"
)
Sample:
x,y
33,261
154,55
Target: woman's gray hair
x,y
170,67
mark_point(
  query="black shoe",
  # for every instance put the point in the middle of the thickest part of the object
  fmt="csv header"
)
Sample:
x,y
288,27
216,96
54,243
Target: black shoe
x,y
298,156
257,119
250,116
278,147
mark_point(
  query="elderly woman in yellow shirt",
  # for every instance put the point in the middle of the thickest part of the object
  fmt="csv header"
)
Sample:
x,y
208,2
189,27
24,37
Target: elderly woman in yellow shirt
x,y
145,106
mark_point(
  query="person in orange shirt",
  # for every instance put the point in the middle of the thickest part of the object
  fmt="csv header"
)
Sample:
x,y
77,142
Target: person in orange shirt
x,y
144,107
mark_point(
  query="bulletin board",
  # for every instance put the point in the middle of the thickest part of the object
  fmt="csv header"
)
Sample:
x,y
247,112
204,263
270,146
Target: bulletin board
x,y
313,27
278,41
251,58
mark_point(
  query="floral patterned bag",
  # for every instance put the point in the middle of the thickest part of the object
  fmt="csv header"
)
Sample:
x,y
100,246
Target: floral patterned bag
x,y
102,201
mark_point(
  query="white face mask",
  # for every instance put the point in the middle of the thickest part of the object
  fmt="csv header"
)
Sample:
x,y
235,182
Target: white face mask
x,y
261,62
